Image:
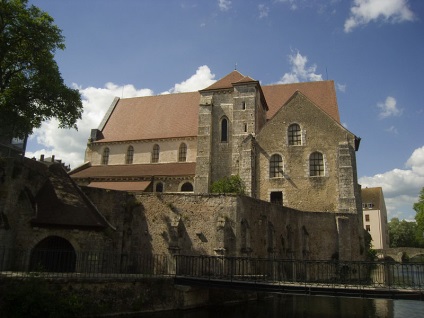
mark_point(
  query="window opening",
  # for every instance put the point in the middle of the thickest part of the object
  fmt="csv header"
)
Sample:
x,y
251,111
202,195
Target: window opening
x,y
316,164
105,157
276,166
159,187
224,130
155,153
295,136
182,152
276,197
130,155
187,187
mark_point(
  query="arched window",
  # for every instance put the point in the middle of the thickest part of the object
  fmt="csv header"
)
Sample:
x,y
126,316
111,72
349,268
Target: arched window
x,y
159,187
316,164
295,135
105,156
155,153
182,152
187,187
130,155
224,130
275,166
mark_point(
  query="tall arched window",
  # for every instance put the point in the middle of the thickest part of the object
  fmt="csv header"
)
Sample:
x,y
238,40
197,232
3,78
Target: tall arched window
x,y
105,156
224,130
182,152
130,155
295,135
275,166
316,164
155,153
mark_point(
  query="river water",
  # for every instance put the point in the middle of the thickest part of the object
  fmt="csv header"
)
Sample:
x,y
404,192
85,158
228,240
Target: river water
x,y
306,306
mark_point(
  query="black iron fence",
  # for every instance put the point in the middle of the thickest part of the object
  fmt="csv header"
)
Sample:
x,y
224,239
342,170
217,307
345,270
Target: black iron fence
x,y
65,263
318,273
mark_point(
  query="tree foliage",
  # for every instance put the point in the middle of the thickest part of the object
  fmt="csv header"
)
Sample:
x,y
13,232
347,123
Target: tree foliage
x,y
419,217
402,233
31,87
232,184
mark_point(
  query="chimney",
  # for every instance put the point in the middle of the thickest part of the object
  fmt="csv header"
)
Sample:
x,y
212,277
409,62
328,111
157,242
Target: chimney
x,y
52,158
41,157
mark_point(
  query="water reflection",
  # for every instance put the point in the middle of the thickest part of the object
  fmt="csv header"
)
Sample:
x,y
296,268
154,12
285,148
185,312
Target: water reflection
x,y
306,306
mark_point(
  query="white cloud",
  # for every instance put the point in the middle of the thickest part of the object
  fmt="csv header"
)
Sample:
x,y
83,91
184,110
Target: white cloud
x,y
401,187
389,108
292,3
341,87
300,71
69,145
393,130
202,79
263,11
366,11
224,5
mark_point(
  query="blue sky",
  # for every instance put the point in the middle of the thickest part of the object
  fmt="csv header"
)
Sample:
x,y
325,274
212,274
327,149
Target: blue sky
x,y
372,49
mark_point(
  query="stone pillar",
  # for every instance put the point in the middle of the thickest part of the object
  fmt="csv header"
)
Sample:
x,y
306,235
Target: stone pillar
x,y
344,238
347,179
204,140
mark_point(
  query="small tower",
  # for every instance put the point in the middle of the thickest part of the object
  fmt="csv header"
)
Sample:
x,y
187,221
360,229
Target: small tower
x,y
231,112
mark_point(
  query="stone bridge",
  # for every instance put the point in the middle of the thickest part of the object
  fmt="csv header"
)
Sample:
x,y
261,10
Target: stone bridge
x,y
400,254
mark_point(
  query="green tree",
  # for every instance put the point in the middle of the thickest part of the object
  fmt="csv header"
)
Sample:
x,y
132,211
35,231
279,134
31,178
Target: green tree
x,y
232,184
419,218
31,87
402,233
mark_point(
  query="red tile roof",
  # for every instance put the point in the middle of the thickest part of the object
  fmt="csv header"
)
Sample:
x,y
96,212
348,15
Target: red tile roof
x,y
176,115
321,93
132,186
153,117
137,170
226,81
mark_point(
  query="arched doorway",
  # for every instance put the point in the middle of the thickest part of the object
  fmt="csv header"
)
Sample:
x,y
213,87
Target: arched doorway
x,y
53,254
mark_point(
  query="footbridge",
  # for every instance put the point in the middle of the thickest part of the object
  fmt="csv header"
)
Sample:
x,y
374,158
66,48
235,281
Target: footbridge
x,y
332,278
400,254
382,279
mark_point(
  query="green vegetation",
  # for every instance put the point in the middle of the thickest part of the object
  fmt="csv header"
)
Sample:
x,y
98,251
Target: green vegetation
x,y
232,184
402,233
37,298
419,218
409,234
31,87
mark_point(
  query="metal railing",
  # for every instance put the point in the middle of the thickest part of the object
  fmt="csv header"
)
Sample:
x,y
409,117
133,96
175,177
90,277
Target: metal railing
x,y
318,273
89,264
92,264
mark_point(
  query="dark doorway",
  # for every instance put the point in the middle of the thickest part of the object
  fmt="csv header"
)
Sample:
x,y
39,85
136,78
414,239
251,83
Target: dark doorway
x,y
276,197
53,254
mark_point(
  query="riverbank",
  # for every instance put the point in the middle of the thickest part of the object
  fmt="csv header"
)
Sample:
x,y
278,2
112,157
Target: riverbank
x,y
37,297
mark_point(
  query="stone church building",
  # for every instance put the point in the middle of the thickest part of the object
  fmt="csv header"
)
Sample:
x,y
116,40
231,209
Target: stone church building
x,y
284,141
145,187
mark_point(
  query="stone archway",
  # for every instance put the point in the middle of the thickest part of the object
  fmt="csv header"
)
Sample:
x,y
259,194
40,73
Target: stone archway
x,y
53,254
